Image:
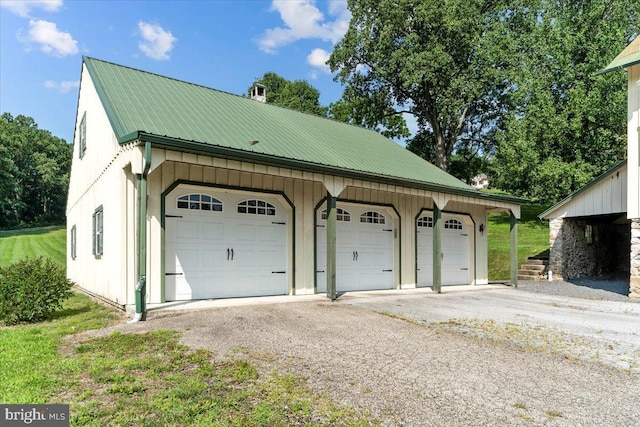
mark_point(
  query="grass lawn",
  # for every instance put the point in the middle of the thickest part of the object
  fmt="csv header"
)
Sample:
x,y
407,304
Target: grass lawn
x,y
533,239
49,242
150,379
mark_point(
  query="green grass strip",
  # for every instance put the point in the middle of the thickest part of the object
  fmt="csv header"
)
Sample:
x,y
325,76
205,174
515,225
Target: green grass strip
x,y
48,243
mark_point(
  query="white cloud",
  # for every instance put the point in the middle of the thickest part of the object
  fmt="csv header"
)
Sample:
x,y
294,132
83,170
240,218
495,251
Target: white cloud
x,y
50,39
24,7
318,58
157,43
303,20
62,87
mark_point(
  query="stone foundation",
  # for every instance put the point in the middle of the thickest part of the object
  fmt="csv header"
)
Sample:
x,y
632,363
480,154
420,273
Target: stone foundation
x,y
555,253
634,275
572,255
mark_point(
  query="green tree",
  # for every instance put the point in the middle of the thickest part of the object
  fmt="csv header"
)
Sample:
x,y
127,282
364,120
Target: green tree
x,y
567,125
34,173
441,62
297,95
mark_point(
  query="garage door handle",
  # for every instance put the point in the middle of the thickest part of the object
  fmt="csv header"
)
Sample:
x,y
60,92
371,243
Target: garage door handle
x,y
173,274
278,272
319,271
354,256
387,270
231,254
228,253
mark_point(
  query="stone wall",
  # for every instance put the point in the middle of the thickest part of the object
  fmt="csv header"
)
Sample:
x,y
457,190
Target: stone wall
x,y
634,276
555,253
572,256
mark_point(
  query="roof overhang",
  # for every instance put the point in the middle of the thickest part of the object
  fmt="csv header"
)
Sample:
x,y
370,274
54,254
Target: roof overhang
x,y
628,57
545,214
195,147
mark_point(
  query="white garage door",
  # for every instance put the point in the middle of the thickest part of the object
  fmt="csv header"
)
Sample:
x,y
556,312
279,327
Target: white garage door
x,y
455,250
222,244
364,249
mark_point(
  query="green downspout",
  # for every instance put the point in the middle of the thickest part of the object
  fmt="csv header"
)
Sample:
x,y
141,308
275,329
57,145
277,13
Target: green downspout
x,y
141,287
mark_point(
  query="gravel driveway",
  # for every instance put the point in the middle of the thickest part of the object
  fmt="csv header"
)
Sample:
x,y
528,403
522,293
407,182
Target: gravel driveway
x,y
469,358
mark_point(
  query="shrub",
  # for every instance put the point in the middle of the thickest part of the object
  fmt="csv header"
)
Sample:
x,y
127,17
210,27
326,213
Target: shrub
x,y
32,289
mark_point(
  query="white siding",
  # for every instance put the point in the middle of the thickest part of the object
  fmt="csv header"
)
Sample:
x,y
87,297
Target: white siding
x,y
633,142
101,178
609,196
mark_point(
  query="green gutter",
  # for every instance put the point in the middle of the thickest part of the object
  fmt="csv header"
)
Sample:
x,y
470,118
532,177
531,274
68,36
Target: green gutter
x,y
141,287
195,147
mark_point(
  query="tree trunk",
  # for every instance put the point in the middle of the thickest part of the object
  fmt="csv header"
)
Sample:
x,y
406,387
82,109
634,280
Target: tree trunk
x,y
442,160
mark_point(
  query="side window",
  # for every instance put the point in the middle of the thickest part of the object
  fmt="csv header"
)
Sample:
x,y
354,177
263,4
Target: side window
x,y
425,221
73,242
82,138
98,233
372,217
341,215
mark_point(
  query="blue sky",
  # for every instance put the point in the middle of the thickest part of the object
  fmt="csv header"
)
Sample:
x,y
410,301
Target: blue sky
x,y
223,44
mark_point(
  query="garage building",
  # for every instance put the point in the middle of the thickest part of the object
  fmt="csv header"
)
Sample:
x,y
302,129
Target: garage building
x,y
182,192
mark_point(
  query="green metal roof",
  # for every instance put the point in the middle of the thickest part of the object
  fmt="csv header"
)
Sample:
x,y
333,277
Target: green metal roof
x,y
628,57
583,189
193,118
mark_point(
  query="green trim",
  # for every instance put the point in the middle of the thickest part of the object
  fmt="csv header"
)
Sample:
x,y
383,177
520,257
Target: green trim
x,y
194,147
179,182
141,287
315,243
616,68
437,249
331,246
513,260
581,190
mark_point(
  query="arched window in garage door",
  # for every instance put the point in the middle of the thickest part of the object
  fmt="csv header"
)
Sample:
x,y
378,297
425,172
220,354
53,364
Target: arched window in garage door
x,y
453,224
256,207
425,221
202,202
372,217
341,215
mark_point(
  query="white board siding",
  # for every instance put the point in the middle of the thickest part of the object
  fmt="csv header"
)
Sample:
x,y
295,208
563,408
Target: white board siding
x,y
633,142
609,196
102,177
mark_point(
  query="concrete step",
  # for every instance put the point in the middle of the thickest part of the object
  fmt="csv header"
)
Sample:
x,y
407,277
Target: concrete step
x,y
528,277
528,272
534,261
533,267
